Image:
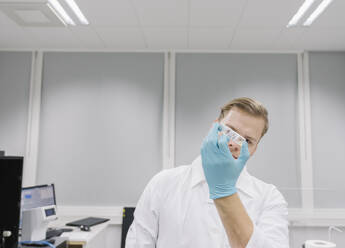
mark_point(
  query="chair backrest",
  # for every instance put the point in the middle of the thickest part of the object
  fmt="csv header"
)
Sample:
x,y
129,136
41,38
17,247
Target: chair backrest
x,y
127,219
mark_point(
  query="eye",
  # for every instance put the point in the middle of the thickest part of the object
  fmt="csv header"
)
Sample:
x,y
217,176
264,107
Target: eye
x,y
248,141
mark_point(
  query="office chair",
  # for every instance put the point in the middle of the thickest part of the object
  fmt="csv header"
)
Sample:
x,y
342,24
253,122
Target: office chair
x,y
127,219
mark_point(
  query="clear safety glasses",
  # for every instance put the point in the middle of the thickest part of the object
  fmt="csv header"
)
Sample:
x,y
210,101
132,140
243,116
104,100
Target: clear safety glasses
x,y
237,138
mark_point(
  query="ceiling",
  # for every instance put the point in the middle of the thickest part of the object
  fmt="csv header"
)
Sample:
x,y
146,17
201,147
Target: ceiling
x,y
240,25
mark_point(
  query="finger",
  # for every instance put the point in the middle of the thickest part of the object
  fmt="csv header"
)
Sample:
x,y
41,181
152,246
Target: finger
x,y
244,155
209,135
214,130
223,140
213,134
223,145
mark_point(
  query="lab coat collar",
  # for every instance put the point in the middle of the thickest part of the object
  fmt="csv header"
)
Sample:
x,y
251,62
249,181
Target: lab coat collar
x,y
244,182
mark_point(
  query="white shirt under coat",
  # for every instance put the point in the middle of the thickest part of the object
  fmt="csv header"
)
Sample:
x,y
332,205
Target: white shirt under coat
x,y
175,211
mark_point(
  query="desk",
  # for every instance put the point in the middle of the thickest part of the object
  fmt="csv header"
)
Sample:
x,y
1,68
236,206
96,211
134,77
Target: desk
x,y
95,238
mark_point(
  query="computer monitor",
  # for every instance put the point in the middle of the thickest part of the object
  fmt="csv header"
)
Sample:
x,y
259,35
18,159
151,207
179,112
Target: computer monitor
x,y
38,208
11,169
38,196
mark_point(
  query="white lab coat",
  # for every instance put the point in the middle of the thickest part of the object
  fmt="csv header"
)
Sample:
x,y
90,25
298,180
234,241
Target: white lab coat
x,y
175,211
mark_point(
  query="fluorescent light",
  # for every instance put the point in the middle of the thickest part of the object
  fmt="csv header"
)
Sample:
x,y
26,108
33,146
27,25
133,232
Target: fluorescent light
x,y
301,11
321,8
61,12
77,11
56,14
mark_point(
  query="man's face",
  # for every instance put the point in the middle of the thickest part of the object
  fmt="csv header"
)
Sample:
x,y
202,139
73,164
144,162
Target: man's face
x,y
248,126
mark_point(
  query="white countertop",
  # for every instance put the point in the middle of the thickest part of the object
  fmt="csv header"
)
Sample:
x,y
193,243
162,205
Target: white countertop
x,y
77,235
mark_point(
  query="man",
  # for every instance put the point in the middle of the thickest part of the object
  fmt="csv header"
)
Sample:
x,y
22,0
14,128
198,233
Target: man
x,y
214,202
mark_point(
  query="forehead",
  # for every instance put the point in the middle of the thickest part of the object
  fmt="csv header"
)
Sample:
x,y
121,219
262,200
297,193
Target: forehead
x,y
244,123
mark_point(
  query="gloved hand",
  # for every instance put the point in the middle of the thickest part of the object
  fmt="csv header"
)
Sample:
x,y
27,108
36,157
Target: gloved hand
x,y
220,168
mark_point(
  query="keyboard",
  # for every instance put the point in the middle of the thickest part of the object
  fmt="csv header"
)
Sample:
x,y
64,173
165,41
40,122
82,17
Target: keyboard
x,y
91,221
56,232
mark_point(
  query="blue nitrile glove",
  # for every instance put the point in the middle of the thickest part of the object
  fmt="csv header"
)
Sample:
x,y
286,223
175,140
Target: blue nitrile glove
x,y
220,168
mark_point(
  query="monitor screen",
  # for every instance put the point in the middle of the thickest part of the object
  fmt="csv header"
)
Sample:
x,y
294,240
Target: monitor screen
x,y
50,211
38,196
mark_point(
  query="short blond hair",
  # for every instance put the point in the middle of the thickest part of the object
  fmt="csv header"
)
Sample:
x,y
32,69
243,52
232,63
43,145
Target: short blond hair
x,y
249,106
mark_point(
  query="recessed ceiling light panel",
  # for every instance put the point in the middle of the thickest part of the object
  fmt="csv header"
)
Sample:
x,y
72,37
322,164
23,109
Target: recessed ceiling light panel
x,y
36,14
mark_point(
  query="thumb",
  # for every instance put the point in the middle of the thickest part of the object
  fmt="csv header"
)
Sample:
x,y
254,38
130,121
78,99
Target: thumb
x,y
244,155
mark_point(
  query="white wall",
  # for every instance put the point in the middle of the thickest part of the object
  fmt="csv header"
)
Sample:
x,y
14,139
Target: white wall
x,y
327,88
63,100
14,101
101,126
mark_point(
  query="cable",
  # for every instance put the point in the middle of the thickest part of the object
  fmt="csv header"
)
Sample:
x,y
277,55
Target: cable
x,y
37,243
